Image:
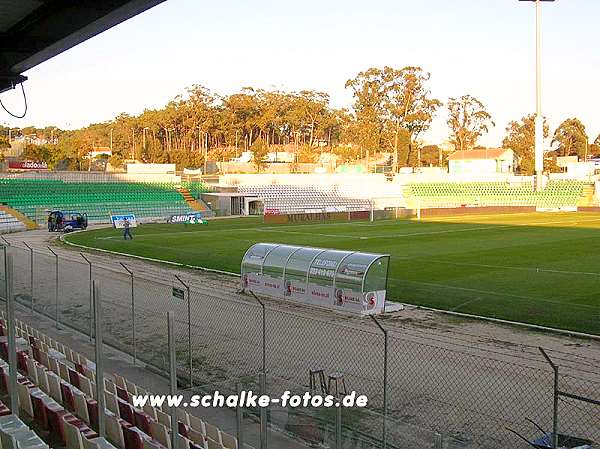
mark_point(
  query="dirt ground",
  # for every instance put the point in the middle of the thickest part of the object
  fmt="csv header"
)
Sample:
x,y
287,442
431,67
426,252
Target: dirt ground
x,y
464,378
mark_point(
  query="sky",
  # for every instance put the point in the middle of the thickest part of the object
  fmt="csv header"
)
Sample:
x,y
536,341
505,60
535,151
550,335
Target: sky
x,y
485,48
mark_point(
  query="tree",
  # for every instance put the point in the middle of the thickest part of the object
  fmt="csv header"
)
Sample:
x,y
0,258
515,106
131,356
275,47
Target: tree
x,y
520,137
368,108
393,106
407,105
570,138
468,120
432,155
260,151
595,147
4,137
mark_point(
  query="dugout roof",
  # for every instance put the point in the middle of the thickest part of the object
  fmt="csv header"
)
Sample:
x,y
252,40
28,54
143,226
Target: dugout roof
x,y
33,31
328,267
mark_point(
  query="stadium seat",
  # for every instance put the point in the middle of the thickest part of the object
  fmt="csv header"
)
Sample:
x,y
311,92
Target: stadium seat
x,y
33,197
556,194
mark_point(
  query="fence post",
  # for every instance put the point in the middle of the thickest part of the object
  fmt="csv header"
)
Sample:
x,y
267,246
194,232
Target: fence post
x,y
263,412
172,375
12,344
134,351
438,442
264,333
385,378
555,404
239,415
30,273
338,427
263,374
56,285
99,357
5,274
189,320
92,310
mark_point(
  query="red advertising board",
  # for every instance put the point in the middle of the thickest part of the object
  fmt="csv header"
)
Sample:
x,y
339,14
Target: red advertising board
x,y
27,165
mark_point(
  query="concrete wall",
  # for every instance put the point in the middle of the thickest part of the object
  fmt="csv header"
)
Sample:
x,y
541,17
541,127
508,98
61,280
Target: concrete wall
x,y
77,176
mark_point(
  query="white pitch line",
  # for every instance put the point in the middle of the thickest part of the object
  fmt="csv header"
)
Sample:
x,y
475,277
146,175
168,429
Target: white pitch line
x,y
505,267
278,229
491,292
312,233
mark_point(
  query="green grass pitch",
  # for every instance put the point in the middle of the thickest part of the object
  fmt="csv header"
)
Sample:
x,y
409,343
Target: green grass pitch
x,y
540,268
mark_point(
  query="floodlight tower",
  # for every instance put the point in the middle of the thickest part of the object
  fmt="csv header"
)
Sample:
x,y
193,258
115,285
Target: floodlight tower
x,y
539,120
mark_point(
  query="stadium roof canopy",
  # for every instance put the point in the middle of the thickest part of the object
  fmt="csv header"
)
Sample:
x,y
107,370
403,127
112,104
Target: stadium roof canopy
x,y
33,31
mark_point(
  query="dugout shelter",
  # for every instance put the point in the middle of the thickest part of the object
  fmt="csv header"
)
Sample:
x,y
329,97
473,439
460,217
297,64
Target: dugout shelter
x,y
344,280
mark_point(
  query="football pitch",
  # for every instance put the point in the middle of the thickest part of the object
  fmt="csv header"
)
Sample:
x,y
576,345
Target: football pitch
x,y
538,268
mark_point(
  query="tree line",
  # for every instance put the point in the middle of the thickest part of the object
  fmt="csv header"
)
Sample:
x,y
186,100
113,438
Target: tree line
x,y
391,110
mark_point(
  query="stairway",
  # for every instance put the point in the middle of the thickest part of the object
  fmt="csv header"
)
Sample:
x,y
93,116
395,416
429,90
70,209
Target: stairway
x,y
14,221
586,199
194,204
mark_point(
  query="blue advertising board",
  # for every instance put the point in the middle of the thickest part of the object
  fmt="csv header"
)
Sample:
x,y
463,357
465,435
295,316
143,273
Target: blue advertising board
x,y
118,220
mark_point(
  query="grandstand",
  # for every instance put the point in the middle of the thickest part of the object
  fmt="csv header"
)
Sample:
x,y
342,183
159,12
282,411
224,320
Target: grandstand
x,y
56,392
33,197
292,199
336,196
556,195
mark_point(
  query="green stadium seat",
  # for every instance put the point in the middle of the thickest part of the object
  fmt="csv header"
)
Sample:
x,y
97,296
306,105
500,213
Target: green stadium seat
x,y
558,193
34,197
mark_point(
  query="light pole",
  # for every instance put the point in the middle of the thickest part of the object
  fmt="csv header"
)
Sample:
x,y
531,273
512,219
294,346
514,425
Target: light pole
x,y
539,120
111,141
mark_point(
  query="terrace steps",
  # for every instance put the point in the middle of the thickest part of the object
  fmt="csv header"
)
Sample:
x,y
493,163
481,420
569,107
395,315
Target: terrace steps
x,y
28,223
587,198
194,204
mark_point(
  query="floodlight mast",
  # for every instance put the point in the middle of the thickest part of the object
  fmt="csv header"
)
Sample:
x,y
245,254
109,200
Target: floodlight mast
x,y
539,120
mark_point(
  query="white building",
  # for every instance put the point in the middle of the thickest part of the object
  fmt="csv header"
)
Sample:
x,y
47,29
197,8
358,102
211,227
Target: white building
x,y
481,161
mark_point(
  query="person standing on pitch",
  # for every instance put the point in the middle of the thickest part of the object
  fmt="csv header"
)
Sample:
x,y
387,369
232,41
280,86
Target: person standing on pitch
x,y
126,229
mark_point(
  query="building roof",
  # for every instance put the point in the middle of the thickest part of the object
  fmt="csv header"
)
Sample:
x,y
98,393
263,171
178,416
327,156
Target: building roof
x,y
33,31
486,153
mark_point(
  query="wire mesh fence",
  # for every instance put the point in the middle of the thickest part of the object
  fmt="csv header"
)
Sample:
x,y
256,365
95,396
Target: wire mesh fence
x,y
433,384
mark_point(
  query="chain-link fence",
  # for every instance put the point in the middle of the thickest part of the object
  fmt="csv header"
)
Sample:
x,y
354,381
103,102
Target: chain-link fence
x,y
431,384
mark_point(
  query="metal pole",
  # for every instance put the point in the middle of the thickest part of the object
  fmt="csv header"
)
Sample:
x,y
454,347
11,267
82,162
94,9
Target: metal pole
x,y
173,375
263,413
55,286
189,319
30,273
6,242
264,333
555,404
338,428
91,296
239,422
5,276
134,350
263,375
539,121
385,378
439,441
99,360
10,322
